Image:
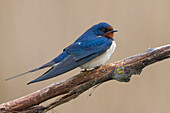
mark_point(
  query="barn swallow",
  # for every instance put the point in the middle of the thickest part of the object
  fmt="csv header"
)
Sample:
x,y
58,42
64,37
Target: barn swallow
x,y
90,50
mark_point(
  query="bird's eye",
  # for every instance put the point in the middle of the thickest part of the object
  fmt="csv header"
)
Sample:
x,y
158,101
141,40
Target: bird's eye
x,y
104,30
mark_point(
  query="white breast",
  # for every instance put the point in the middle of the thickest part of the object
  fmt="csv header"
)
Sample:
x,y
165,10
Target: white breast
x,y
100,59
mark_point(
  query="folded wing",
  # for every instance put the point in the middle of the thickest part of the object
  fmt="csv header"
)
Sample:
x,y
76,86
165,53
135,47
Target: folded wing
x,y
79,54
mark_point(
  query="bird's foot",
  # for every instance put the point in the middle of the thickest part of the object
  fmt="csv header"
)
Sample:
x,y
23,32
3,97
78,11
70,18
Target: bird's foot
x,y
96,68
84,70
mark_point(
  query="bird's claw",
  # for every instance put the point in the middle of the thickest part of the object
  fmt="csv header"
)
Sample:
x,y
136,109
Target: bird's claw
x,y
96,68
84,70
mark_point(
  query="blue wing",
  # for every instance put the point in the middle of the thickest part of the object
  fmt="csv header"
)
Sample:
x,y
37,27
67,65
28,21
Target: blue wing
x,y
82,49
79,54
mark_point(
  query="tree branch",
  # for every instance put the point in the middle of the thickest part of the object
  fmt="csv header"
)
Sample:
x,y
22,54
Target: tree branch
x,y
74,86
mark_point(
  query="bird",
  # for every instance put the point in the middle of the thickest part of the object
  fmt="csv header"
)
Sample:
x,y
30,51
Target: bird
x,y
91,50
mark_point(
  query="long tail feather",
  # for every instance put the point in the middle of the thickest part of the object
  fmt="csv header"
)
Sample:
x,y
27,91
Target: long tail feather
x,y
22,74
49,64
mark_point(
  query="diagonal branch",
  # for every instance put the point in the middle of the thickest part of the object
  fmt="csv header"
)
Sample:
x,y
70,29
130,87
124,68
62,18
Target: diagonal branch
x,y
74,86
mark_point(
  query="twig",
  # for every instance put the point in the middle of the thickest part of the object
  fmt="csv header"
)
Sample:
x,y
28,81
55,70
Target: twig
x,y
74,86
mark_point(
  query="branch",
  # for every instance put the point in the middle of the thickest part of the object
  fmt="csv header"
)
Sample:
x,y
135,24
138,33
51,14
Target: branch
x,y
74,86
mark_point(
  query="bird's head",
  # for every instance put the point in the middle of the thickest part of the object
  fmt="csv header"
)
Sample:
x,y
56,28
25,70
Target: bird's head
x,y
104,29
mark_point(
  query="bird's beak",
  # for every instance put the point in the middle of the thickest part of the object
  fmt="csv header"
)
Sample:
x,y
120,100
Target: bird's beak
x,y
109,34
112,31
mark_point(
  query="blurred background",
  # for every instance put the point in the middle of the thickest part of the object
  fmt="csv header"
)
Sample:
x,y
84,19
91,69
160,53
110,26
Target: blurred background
x,y
32,32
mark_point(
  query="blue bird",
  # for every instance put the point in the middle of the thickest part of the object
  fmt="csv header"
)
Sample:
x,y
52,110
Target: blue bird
x,y
90,50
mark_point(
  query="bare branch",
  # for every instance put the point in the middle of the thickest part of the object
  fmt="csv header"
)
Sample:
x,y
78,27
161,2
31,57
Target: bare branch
x,y
74,86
